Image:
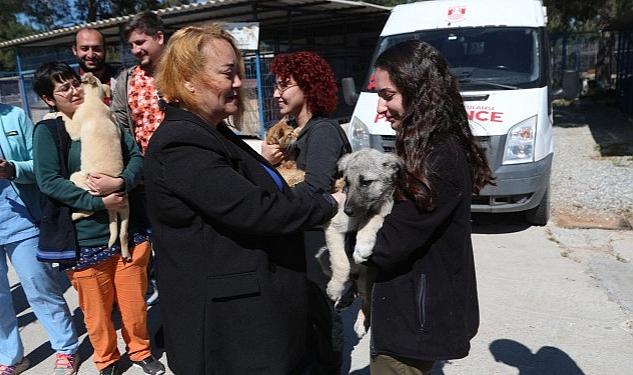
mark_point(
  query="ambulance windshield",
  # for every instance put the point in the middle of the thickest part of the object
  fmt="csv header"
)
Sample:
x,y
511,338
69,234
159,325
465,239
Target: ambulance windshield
x,y
491,58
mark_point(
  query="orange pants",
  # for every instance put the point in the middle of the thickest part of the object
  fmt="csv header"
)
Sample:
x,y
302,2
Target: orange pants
x,y
99,287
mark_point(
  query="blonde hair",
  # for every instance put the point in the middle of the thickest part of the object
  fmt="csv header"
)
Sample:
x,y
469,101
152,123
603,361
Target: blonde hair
x,y
184,60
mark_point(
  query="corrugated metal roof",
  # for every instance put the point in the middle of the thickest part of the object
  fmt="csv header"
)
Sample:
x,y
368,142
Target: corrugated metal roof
x,y
270,14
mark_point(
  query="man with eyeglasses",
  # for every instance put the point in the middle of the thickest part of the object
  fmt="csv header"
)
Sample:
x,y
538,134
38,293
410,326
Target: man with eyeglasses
x,y
20,215
89,48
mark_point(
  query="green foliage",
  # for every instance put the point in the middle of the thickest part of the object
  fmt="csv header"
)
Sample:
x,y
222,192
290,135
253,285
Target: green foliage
x,y
584,15
43,15
52,14
10,29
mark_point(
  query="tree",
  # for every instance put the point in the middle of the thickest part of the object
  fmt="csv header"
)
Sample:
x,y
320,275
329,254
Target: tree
x,y
590,15
52,14
10,29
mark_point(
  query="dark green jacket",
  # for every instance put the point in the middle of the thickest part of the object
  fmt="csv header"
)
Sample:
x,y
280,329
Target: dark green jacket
x,y
93,230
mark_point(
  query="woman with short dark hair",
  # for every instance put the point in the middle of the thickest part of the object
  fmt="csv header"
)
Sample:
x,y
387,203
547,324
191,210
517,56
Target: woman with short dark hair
x,y
97,271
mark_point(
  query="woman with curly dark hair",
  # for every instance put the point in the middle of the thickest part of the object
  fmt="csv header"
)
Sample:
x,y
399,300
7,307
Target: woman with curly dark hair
x,y
305,90
424,302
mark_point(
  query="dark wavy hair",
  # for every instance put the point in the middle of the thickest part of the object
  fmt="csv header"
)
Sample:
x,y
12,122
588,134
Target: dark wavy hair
x,y
434,110
313,75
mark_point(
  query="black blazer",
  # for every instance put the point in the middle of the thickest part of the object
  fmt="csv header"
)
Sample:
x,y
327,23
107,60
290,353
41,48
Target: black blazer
x,y
424,302
231,270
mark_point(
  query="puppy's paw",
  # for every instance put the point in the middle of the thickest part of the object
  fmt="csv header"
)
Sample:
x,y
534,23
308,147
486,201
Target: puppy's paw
x,y
362,251
335,290
359,327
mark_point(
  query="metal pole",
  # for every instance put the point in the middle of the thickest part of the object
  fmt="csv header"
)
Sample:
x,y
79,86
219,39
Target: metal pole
x,y
23,96
260,96
260,89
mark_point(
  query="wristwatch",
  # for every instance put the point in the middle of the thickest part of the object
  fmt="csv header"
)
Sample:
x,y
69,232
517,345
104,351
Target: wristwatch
x,y
14,172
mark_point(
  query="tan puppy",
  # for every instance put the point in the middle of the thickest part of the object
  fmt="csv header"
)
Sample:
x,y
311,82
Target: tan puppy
x,y
284,135
100,151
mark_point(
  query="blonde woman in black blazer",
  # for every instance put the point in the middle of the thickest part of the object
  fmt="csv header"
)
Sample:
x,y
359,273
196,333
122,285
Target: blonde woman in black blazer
x,y
228,230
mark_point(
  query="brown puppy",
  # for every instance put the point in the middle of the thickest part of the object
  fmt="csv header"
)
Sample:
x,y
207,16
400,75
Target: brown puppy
x,y
285,135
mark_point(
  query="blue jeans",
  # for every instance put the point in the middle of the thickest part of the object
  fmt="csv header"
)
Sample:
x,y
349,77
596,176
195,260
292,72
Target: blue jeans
x,y
44,295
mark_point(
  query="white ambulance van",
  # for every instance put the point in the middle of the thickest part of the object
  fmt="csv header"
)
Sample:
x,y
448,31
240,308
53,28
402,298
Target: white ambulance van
x,y
499,52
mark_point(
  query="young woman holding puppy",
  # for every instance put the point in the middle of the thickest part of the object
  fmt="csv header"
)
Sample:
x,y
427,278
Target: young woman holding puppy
x,y
98,273
424,302
305,91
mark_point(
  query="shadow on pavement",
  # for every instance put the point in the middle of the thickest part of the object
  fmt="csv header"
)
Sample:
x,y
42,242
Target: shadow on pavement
x,y
610,128
44,351
547,360
485,223
19,299
20,303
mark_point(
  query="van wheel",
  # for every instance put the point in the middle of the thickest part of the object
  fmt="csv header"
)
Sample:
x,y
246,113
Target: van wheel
x,y
539,215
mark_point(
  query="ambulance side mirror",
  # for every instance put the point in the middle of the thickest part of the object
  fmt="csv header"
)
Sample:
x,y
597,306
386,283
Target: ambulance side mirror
x,y
350,95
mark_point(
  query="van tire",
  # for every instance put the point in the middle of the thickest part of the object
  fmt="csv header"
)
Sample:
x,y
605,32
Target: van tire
x,y
539,215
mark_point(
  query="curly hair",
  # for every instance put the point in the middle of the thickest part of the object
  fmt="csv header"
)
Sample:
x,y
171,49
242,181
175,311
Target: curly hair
x,y
434,110
313,75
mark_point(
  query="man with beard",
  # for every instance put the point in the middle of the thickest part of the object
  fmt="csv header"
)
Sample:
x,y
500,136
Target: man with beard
x,y
136,101
89,48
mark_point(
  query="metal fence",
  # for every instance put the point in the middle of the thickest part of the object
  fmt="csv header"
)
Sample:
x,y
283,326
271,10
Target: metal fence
x,y
623,55
577,51
260,108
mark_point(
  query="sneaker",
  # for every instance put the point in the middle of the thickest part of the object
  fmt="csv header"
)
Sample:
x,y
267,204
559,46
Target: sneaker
x,y
18,368
66,364
113,369
150,366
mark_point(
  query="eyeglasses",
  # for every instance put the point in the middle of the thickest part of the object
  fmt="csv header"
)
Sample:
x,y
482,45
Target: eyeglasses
x,y
65,90
281,87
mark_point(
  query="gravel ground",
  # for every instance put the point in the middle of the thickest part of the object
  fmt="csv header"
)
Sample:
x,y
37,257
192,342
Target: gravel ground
x,y
592,177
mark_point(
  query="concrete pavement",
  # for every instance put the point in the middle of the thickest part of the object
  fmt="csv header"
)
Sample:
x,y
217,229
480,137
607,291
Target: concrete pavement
x,y
551,302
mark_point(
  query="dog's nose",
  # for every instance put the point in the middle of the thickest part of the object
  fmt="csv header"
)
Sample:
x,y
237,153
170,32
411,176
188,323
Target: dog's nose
x,y
348,211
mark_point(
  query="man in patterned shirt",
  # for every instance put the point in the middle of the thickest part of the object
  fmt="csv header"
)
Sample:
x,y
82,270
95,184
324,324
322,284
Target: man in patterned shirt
x,y
135,98
135,101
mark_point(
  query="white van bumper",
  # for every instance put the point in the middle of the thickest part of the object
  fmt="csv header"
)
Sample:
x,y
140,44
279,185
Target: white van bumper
x,y
519,187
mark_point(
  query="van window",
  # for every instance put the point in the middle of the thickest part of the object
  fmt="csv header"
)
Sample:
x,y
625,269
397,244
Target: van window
x,y
482,58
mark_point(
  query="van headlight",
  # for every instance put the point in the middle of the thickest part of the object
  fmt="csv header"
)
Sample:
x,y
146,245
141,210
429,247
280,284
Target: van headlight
x,y
520,142
358,134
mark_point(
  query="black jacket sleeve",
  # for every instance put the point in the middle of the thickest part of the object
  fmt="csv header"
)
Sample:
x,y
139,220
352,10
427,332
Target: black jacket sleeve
x,y
203,176
408,228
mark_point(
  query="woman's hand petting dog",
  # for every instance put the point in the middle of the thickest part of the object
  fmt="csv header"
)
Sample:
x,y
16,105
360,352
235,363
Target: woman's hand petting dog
x,y
273,153
101,184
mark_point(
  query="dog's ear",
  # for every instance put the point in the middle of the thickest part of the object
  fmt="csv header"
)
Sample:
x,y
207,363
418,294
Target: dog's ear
x,y
343,161
393,162
274,133
89,79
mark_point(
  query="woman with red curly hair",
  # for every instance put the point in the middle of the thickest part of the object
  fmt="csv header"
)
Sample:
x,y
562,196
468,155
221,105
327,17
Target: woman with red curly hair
x,y
305,90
